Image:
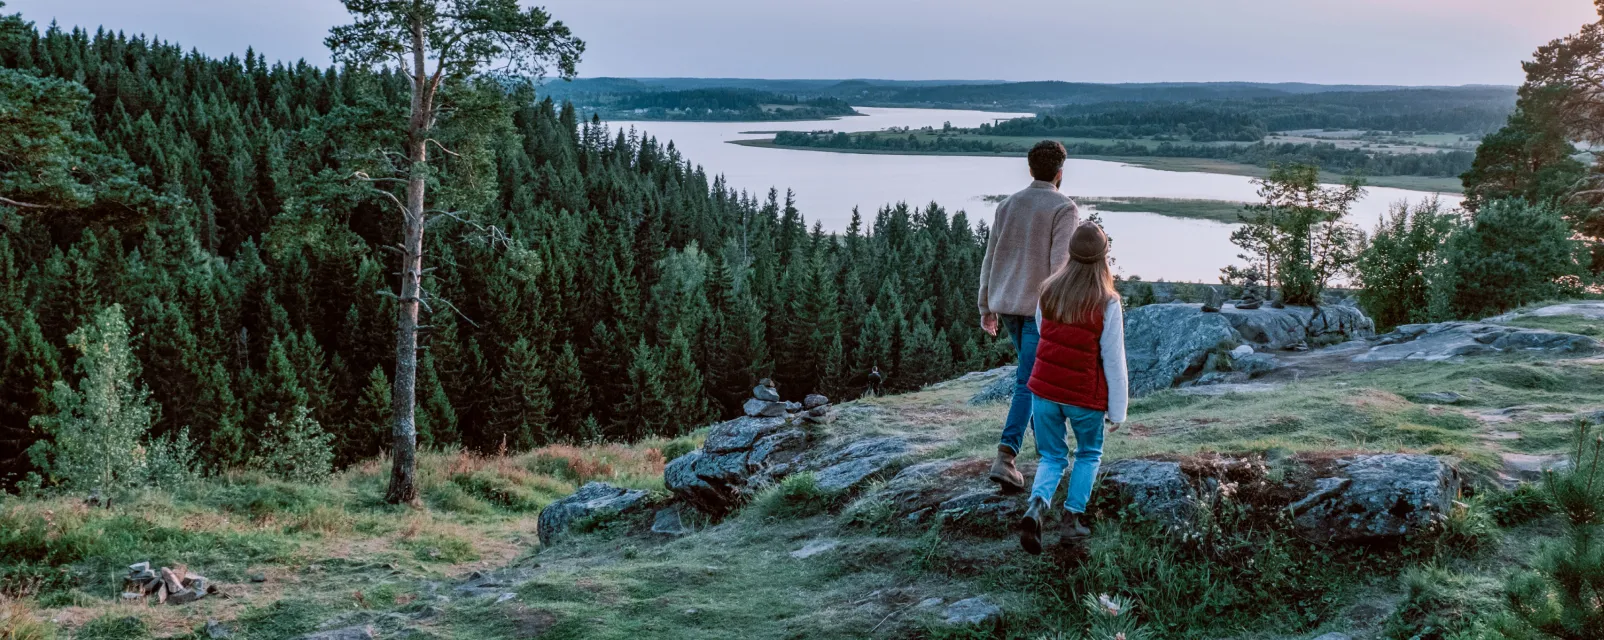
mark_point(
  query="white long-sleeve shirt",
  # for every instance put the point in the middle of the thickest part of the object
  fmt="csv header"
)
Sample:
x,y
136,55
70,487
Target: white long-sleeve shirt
x,y
1112,346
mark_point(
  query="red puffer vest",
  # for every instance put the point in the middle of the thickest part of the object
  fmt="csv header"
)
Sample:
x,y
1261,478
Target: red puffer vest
x,y
1069,364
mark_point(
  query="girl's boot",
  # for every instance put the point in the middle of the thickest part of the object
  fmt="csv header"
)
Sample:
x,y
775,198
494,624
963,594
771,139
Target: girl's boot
x,y
1030,526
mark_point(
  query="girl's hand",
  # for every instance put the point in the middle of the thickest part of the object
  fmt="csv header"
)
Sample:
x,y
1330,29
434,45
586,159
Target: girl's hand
x,y
1112,426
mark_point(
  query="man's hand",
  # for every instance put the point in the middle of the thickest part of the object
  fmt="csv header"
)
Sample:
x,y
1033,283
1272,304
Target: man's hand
x,y
1112,426
988,323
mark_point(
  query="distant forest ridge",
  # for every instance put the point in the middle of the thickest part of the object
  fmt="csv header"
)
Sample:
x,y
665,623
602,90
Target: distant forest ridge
x,y
989,95
732,104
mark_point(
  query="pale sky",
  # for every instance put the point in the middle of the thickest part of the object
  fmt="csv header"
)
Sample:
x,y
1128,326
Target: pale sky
x,y
1419,42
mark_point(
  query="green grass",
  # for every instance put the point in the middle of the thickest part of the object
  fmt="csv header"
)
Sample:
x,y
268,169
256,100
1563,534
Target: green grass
x,y
1567,324
1224,211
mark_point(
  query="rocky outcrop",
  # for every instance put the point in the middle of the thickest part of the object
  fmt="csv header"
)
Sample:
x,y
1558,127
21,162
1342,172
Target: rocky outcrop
x,y
594,500
738,458
742,456
1356,498
1381,496
1588,309
1170,344
1449,340
955,490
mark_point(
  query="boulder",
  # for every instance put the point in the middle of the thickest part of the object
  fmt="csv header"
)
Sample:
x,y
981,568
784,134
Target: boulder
x,y
757,408
667,522
1440,397
1358,498
1256,364
1169,343
973,612
814,401
998,389
1449,340
766,393
1384,496
737,458
845,467
597,499
1157,488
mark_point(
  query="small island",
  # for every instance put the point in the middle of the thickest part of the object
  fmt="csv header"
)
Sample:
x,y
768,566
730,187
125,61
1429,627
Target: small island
x,y
717,105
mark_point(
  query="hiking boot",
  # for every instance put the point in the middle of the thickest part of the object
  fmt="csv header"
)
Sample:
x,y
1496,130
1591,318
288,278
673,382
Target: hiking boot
x,y
1008,479
1030,526
1071,530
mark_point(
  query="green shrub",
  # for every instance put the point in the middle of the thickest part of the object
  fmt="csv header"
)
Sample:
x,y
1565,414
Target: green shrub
x,y
114,627
296,449
1469,530
1523,504
1439,603
450,496
677,447
1393,270
797,496
256,495
1511,254
523,494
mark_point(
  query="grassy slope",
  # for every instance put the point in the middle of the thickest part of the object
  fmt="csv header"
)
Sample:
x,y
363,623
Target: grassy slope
x,y
1185,165
333,548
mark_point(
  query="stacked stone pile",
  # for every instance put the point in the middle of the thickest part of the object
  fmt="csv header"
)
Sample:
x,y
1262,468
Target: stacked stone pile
x,y
766,403
165,585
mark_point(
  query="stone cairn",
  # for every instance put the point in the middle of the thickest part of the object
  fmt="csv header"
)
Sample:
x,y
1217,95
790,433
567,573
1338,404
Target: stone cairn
x,y
165,585
766,403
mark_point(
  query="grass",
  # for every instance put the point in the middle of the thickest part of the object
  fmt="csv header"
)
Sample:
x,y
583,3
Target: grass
x,y
1567,324
1224,211
737,578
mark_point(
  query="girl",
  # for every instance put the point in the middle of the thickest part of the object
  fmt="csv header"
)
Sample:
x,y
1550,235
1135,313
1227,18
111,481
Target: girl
x,y
1079,378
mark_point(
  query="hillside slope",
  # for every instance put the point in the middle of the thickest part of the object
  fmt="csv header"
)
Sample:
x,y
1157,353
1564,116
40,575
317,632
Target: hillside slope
x,y
800,562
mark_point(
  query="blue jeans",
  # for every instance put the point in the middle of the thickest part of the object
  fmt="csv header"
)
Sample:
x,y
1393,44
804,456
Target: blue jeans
x,y
1022,330
1052,442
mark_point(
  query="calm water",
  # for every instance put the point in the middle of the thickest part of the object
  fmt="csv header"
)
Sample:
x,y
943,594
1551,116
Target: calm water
x,y
829,185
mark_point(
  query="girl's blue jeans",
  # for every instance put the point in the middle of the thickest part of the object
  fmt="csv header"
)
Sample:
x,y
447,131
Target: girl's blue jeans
x,y
1052,442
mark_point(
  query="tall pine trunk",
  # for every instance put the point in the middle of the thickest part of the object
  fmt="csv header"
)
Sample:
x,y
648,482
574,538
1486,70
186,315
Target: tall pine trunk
x,y
403,398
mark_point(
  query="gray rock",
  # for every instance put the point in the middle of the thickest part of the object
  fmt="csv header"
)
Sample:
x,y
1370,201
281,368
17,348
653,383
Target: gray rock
x,y
814,401
738,457
668,522
845,467
1389,495
592,500
814,548
793,407
1256,364
1157,488
363,632
258,577
1169,343
973,612
999,389
1590,310
1241,351
766,393
1440,397
1335,636
1324,489
1449,340
1217,378
217,630
756,408
740,434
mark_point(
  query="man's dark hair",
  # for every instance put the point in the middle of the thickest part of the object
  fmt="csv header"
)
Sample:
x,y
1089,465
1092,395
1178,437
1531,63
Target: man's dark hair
x,y
1046,159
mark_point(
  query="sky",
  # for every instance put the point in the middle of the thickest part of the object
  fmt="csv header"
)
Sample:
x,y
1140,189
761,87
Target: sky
x,y
1406,42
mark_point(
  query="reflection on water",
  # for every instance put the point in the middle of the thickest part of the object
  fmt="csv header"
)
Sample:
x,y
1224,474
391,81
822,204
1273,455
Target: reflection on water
x,y
829,185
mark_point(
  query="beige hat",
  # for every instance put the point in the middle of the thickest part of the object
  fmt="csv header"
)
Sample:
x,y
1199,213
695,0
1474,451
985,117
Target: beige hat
x,y
1089,244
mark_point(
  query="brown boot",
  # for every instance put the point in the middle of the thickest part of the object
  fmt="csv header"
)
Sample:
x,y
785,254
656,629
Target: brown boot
x,y
1030,527
1071,530
1008,479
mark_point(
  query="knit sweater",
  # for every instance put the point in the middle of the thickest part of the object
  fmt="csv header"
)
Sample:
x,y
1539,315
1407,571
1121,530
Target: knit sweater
x,y
1029,241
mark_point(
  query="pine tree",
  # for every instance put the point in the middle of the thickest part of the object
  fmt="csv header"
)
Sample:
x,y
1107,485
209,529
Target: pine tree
x,y
523,407
683,388
372,420
570,396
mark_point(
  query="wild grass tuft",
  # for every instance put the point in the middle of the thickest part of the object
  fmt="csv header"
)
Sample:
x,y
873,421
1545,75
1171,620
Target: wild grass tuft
x,y
797,496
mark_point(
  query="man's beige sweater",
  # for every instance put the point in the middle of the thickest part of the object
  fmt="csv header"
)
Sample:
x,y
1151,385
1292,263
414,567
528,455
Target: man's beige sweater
x,y
1029,241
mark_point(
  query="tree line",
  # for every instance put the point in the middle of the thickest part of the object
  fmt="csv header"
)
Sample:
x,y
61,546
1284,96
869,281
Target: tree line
x,y
590,284
1326,155
717,104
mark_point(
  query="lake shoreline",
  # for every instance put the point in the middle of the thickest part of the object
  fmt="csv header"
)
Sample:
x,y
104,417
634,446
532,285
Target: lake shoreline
x,y
1181,165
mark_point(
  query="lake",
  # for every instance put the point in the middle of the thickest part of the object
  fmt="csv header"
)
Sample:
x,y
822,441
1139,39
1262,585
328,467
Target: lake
x,y
828,185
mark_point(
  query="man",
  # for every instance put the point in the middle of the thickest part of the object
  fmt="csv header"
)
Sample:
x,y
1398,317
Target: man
x,y
1029,241
874,381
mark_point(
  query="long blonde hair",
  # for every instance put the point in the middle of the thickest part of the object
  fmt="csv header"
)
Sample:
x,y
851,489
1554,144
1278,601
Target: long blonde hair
x,y
1077,293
